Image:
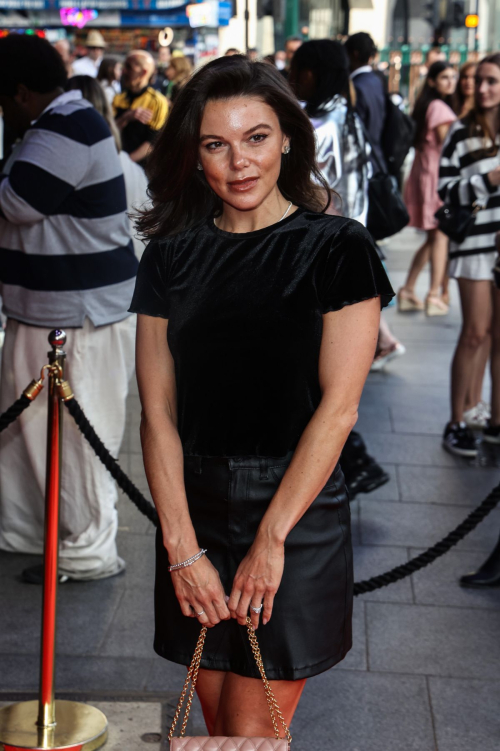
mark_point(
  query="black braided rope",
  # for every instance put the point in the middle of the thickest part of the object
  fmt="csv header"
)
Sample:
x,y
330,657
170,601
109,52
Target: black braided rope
x,y
369,585
436,551
14,411
102,453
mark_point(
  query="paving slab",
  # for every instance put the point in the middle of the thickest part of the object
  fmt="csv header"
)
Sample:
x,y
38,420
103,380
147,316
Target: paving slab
x,y
372,560
132,725
442,641
466,714
356,658
437,584
130,518
404,524
353,711
140,554
131,632
423,450
458,486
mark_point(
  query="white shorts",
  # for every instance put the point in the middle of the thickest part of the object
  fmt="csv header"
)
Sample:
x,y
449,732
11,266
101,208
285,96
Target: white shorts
x,y
477,267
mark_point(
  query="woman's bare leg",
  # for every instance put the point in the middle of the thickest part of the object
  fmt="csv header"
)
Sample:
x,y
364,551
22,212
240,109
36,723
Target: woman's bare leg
x,y
209,689
234,705
475,298
243,709
419,260
438,244
495,360
475,390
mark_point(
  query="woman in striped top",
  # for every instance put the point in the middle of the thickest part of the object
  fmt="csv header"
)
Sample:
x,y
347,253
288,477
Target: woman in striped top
x,y
470,176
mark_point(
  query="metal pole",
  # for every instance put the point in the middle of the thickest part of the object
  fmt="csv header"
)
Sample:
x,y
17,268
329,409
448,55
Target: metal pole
x,y
46,711
46,723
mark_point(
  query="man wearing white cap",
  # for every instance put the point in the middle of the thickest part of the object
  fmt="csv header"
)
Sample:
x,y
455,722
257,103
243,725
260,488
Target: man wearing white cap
x,y
89,65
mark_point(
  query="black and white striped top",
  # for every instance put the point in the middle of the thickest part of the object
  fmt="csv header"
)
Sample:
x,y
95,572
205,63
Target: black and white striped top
x,y
65,246
463,181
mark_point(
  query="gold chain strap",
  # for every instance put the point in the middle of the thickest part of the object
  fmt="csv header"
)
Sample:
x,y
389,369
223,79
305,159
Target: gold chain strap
x,y
192,675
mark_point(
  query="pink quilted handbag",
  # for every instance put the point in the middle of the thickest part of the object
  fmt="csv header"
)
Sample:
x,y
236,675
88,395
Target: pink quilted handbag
x,y
223,743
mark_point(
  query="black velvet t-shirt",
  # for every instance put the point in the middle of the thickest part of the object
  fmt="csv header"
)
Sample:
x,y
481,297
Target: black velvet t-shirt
x,y
245,322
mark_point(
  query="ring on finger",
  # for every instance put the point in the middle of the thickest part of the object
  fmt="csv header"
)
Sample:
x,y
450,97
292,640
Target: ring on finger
x,y
202,612
256,610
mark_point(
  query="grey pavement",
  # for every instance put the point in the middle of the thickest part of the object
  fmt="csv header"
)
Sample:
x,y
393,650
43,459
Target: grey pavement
x,y
424,671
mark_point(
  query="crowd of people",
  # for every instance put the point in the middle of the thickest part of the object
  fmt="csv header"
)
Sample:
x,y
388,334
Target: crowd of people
x,y
78,133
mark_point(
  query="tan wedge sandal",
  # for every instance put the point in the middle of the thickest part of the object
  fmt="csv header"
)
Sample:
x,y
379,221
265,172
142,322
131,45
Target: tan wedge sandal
x,y
435,306
408,302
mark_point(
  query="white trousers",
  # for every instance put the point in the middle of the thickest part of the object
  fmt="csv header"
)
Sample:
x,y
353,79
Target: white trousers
x,y
99,364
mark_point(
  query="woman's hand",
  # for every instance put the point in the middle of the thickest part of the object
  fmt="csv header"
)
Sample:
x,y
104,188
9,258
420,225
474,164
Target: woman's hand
x,y
198,588
257,580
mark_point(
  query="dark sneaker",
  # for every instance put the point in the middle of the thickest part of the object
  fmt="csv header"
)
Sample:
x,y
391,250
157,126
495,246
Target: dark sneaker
x,y
365,476
491,434
34,575
459,439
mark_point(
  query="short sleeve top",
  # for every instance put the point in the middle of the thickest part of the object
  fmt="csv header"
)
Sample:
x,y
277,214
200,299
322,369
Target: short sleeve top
x,y
438,113
245,323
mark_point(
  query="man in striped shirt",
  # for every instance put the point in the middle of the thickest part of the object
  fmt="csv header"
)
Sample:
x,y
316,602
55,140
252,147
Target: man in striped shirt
x,y
66,261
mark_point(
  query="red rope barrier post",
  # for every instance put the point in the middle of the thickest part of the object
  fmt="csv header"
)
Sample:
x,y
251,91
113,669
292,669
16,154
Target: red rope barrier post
x,y
49,724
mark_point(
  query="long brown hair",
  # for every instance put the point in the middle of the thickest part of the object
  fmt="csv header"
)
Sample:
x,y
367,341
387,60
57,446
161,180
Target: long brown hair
x,y
427,95
458,97
182,67
180,194
477,118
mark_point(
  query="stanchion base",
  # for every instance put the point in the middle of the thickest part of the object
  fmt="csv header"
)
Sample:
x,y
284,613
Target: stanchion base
x,y
79,727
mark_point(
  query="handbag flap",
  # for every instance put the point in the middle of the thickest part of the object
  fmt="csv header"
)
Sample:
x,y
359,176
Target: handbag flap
x,y
223,743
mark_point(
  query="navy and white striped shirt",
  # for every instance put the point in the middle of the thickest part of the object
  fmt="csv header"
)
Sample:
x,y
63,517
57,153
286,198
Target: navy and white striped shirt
x,y
463,181
65,246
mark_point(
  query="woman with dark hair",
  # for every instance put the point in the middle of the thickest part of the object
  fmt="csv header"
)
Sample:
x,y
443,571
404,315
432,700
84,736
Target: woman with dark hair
x,y
258,318
433,116
470,177
109,75
319,74
463,98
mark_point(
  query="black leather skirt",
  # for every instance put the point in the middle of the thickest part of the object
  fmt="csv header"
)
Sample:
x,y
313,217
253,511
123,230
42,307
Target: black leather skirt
x,y
310,627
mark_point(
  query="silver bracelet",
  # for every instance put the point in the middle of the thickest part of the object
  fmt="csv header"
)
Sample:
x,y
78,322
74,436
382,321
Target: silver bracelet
x,y
189,561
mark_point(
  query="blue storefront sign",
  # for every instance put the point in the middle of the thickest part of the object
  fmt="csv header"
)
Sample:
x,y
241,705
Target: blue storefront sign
x,y
128,5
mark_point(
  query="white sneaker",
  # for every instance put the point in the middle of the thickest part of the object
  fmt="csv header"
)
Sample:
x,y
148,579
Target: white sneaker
x,y
485,407
476,418
381,361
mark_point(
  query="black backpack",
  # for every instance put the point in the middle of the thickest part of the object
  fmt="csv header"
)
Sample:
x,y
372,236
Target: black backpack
x,y
397,137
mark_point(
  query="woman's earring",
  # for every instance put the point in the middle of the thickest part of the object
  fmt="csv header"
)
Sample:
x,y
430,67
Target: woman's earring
x,y
198,166
286,150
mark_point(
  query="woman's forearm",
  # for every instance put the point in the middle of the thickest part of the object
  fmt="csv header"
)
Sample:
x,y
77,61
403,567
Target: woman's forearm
x,y
164,464
313,462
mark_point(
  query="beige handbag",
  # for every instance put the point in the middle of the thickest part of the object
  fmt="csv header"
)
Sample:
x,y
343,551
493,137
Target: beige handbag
x,y
223,743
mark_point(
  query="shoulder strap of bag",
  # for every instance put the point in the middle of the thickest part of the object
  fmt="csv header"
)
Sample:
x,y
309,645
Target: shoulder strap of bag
x,y
192,676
